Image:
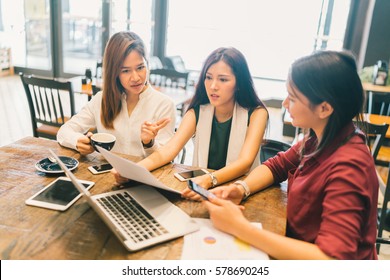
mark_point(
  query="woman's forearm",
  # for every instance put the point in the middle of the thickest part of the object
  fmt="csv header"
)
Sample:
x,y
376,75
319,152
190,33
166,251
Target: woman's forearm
x,y
260,178
278,246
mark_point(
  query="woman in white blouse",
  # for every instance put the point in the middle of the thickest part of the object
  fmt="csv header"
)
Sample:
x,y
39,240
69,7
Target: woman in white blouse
x,y
140,117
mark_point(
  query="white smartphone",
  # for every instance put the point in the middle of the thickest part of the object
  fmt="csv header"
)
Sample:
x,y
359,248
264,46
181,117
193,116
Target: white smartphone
x,y
58,195
187,175
99,169
199,190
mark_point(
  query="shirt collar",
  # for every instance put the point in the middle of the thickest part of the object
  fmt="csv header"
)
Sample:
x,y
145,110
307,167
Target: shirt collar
x,y
143,95
343,134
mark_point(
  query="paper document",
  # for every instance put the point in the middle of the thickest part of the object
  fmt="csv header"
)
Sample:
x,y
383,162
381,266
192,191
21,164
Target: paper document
x,y
211,244
133,171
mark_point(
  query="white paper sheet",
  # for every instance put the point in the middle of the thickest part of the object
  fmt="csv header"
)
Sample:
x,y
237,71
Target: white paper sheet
x,y
133,171
211,244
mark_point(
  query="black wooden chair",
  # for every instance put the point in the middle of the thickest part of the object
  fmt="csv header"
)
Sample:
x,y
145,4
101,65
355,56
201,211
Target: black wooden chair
x,y
376,135
169,78
181,157
99,70
270,148
47,99
95,89
174,62
155,63
379,103
383,213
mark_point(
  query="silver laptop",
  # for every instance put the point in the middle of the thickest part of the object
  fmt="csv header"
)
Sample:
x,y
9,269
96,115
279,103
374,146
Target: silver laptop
x,y
139,216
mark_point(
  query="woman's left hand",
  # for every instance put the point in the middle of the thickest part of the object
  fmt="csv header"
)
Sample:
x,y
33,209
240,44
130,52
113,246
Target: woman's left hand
x,y
149,130
203,181
118,178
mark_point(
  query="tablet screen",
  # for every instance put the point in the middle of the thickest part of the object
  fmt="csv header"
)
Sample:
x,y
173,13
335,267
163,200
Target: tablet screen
x,y
60,192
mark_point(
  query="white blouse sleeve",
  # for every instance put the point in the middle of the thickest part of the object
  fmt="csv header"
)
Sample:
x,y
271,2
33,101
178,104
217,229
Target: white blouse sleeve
x,y
80,123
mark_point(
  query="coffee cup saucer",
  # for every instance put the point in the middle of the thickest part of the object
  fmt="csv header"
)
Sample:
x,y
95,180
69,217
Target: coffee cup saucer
x,y
47,166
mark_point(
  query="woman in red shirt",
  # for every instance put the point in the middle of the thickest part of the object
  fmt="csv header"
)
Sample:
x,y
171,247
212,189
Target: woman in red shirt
x,y
332,182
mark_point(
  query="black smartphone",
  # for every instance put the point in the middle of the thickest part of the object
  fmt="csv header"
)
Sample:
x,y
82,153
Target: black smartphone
x,y
99,169
199,190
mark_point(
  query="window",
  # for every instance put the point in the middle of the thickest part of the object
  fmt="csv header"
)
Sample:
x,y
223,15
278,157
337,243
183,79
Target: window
x,y
26,30
137,17
81,34
271,34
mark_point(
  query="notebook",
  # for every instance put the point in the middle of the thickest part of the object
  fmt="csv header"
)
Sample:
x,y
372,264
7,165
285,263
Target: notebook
x,y
139,216
133,171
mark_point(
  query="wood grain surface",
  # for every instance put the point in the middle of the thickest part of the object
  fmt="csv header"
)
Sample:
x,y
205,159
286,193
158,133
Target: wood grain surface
x,y
29,232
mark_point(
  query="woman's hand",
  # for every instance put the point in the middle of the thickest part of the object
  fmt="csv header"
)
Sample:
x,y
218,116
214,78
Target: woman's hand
x,y
118,178
83,144
225,215
232,192
149,130
204,181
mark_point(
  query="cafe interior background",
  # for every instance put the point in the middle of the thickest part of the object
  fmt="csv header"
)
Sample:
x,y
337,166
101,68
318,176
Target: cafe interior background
x,y
63,38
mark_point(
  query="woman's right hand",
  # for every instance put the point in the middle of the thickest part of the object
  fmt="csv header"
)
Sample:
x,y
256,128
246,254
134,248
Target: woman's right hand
x,y
232,192
149,130
118,178
83,144
225,215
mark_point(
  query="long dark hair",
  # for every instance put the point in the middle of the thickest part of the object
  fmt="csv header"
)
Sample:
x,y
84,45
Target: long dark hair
x,y
117,49
332,77
245,93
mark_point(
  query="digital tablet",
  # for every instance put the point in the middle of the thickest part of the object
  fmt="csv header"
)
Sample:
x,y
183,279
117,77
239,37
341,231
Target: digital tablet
x,y
58,195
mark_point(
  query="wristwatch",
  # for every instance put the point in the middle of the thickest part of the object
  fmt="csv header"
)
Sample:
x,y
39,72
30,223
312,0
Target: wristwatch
x,y
214,180
247,191
148,145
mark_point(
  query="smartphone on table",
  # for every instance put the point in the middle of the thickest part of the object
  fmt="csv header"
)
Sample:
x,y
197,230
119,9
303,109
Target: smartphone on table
x,y
199,190
99,169
58,195
187,175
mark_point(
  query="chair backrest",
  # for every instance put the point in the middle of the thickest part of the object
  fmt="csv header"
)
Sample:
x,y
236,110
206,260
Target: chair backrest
x,y
99,70
155,63
376,135
181,157
380,104
47,99
384,212
270,148
168,78
95,89
174,62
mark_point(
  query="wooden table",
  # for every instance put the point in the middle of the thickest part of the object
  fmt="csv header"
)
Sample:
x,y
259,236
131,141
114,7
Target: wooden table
x,y
378,119
29,232
371,90
79,87
375,88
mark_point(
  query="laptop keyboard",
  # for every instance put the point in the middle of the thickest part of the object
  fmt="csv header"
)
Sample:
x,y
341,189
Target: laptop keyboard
x,y
132,217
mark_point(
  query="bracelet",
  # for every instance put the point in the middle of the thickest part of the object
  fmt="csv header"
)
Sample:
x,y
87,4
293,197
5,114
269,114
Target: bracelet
x,y
247,191
214,180
148,145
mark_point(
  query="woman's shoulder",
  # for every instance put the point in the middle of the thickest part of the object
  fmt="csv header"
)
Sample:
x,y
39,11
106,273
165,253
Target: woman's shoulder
x,y
158,95
258,109
354,152
258,112
96,99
